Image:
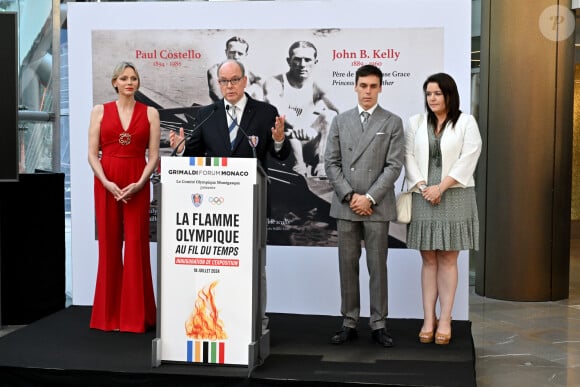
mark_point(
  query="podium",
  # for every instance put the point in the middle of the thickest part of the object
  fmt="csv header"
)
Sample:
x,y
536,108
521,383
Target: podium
x,y
211,254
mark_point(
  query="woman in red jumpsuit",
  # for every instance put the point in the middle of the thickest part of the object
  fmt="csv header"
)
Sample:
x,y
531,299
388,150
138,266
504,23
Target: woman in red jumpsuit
x,y
123,153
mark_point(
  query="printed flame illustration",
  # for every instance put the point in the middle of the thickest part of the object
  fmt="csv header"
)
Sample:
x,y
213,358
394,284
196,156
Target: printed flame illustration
x,y
204,322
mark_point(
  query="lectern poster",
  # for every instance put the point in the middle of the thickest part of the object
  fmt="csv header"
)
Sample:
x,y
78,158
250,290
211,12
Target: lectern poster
x,y
206,259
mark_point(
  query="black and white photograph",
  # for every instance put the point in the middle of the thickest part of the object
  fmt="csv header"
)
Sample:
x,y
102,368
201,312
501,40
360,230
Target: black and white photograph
x,y
307,74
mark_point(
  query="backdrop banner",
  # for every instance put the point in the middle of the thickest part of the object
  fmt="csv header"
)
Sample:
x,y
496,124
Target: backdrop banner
x,y
176,46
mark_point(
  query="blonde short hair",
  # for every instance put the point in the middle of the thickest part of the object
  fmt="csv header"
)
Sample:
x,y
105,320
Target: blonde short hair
x,y
118,70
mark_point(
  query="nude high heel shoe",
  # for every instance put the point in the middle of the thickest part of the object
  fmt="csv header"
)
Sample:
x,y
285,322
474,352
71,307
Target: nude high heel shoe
x,y
428,337
443,338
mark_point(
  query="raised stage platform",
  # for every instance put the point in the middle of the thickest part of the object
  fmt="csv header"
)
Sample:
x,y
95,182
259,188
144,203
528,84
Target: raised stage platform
x,y
61,350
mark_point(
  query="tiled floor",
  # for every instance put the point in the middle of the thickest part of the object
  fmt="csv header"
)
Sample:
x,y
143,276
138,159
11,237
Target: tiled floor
x,y
529,344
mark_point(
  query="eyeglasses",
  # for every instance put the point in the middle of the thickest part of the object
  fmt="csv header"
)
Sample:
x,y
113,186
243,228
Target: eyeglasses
x,y
233,81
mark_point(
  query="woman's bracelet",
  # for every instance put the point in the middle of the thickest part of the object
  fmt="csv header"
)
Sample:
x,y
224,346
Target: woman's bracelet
x,y
439,189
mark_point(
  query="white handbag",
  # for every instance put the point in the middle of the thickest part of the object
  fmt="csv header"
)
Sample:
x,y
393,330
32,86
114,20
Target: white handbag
x,y
404,206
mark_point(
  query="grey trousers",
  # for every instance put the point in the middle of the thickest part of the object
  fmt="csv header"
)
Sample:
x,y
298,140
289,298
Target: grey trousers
x,y
376,243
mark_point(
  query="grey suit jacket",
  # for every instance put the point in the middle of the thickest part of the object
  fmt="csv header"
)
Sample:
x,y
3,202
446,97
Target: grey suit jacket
x,y
368,162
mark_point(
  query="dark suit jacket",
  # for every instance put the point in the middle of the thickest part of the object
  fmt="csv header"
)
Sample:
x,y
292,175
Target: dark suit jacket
x,y
212,137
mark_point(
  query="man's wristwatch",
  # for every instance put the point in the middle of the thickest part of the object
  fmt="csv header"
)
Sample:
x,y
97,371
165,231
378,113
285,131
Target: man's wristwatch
x,y
348,197
370,199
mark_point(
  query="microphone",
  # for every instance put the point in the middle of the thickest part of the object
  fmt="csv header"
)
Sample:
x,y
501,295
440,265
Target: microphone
x,y
190,135
252,140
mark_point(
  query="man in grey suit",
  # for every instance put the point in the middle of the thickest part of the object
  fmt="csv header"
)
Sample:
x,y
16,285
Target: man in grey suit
x,y
363,159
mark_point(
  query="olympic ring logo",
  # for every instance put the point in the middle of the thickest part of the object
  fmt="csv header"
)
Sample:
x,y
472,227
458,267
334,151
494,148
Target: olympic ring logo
x,y
216,200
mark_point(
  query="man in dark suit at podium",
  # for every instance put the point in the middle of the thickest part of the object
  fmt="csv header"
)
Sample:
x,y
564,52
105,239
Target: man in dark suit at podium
x,y
236,126
258,128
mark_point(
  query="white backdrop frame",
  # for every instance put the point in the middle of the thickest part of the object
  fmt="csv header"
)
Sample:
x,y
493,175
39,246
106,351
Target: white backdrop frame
x,y
302,280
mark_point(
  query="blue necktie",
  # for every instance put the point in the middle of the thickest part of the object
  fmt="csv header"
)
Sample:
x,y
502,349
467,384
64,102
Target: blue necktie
x,y
233,125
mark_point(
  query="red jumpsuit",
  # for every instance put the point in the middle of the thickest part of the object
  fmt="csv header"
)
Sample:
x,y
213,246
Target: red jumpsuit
x,y
124,298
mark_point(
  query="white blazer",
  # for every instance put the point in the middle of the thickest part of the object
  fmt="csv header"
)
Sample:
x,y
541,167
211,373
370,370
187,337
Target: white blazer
x,y
460,150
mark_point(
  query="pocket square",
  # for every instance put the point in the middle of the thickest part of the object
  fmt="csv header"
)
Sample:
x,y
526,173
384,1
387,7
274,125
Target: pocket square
x,y
379,133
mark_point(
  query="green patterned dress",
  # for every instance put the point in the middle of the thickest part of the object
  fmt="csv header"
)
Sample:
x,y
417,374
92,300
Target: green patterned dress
x,y
453,224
